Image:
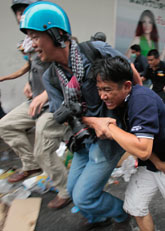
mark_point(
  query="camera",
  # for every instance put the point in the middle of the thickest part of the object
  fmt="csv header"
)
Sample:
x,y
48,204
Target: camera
x,y
72,113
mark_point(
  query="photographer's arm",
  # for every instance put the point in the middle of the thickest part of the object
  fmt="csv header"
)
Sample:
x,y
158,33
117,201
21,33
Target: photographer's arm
x,y
23,70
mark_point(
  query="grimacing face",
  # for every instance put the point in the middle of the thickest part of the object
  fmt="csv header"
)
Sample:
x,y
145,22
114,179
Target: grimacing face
x,y
112,93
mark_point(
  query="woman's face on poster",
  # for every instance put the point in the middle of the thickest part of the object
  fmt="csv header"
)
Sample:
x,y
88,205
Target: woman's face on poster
x,y
147,25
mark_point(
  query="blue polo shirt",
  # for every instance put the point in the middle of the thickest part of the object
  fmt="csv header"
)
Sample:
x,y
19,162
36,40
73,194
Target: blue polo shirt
x,y
146,118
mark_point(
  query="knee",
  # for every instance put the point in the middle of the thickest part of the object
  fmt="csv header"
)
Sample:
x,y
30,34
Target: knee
x,y
135,206
76,194
80,198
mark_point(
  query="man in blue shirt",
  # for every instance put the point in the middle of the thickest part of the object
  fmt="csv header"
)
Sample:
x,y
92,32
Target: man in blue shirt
x,y
68,85
143,114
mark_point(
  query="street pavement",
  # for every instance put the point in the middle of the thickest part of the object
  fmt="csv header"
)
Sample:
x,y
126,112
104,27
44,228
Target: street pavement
x,y
64,219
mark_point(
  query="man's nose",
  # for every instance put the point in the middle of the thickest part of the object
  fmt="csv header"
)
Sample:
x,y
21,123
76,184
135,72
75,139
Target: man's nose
x,y
34,45
103,95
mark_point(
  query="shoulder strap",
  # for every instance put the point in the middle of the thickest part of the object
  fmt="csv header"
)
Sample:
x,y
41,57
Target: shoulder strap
x,y
90,51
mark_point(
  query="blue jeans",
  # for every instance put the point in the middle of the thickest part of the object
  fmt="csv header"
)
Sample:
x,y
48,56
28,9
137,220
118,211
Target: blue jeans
x,y
88,175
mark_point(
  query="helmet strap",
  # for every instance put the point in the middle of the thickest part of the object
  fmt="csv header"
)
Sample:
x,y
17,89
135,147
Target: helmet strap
x,y
56,37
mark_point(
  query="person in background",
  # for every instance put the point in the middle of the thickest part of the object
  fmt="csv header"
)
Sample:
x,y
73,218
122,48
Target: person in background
x,y
99,36
146,34
71,94
143,136
140,62
34,114
18,6
156,73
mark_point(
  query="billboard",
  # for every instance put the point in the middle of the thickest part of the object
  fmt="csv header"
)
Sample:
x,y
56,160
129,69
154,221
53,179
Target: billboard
x,y
132,17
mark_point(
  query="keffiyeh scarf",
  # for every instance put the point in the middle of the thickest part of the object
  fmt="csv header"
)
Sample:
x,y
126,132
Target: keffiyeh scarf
x,y
71,88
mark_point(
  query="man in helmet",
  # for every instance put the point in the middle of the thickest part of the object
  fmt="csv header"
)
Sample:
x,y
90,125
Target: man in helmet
x,y
34,114
72,94
99,36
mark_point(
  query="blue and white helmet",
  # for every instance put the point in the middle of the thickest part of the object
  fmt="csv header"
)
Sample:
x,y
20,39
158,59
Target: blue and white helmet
x,y
47,16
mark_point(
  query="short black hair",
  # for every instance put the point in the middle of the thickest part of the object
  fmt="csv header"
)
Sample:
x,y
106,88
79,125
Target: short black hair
x,y
18,7
153,52
116,69
136,47
99,36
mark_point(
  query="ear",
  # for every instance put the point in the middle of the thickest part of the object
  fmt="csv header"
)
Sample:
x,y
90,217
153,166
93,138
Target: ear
x,y
60,32
128,85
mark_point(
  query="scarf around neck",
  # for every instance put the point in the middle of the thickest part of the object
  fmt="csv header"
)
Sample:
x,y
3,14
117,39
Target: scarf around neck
x,y
71,88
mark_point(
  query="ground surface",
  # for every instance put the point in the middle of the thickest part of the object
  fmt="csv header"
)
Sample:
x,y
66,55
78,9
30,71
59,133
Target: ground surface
x,y
64,219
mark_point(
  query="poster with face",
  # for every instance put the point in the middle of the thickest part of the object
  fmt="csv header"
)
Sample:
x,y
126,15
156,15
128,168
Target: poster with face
x,y
140,22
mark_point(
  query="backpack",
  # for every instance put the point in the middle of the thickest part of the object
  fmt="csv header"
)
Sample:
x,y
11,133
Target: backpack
x,y
90,51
